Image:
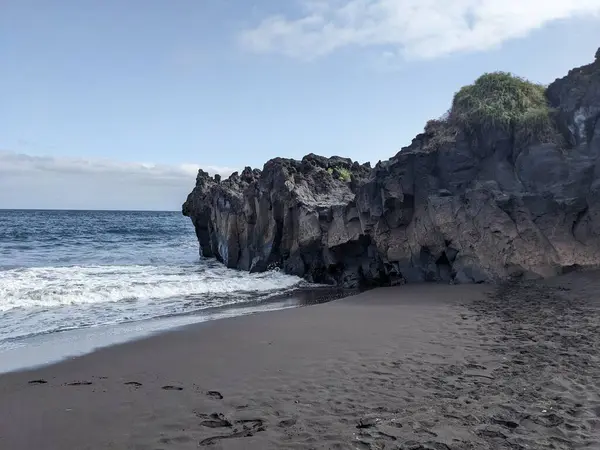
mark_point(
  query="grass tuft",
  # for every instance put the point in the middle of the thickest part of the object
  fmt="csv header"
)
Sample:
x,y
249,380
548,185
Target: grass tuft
x,y
340,173
497,100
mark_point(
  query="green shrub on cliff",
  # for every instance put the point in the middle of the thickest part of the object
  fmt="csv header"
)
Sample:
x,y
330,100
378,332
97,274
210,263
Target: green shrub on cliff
x,y
340,173
537,125
505,101
497,100
344,174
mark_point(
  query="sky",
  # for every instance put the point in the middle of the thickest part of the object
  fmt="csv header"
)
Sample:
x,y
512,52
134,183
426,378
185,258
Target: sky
x,y
115,104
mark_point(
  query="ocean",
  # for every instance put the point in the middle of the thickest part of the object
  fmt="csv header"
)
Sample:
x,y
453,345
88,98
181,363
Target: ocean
x,y
101,271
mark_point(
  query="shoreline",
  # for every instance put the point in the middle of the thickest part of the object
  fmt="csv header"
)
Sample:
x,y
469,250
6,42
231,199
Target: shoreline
x,y
44,349
418,366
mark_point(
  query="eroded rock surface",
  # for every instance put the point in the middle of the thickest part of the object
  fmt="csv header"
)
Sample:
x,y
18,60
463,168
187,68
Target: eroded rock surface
x,y
478,207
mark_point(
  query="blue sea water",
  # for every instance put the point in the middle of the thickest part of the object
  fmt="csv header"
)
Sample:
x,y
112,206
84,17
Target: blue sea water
x,y
69,270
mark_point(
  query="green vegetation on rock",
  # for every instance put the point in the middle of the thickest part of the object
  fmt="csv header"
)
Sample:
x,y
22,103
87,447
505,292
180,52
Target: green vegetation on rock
x,y
497,101
340,173
440,133
344,174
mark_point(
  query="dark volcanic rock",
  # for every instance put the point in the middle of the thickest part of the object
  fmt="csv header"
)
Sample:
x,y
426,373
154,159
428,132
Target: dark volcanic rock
x,y
297,215
473,208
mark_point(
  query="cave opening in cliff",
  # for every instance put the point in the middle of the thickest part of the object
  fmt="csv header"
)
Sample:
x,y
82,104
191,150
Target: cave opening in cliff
x,y
444,267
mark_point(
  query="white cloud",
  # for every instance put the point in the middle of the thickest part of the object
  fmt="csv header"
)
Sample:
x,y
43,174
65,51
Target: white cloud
x,y
28,181
417,28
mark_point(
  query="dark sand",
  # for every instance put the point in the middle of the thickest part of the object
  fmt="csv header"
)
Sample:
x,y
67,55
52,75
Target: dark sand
x,y
414,367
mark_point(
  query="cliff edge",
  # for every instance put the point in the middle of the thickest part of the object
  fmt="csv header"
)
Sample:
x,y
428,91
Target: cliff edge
x,y
507,184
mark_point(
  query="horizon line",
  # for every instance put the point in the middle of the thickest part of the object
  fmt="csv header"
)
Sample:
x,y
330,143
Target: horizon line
x,y
88,210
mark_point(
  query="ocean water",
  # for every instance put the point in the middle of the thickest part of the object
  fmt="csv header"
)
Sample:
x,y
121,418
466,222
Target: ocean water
x,y
75,270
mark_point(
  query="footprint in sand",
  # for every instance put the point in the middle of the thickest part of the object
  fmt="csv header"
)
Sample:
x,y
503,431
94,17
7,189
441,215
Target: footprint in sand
x,y
213,440
172,388
252,424
40,381
215,394
286,423
216,421
250,428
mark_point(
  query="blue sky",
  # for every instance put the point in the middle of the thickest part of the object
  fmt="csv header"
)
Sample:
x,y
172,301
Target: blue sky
x,y
133,95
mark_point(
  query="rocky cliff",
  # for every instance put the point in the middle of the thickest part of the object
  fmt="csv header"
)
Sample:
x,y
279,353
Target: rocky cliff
x,y
470,200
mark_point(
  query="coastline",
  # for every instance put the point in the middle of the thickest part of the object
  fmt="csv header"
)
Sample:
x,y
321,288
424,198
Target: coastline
x,y
417,366
45,349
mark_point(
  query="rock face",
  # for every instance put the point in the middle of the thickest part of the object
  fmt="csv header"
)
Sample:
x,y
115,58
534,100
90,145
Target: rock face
x,y
474,208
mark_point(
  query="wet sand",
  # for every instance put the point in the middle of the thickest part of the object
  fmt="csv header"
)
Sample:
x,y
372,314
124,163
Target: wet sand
x,y
412,367
44,349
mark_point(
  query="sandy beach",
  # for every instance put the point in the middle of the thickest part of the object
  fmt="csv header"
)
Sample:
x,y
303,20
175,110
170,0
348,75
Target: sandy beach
x,y
412,367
